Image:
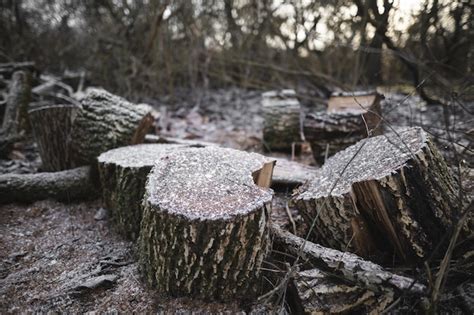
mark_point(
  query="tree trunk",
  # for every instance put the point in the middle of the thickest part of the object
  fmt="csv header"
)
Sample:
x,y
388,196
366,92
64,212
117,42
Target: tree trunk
x,y
123,174
107,121
52,129
282,122
204,230
15,119
348,120
395,196
74,184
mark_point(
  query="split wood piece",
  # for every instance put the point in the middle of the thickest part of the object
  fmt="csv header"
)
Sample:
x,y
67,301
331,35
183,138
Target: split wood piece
x,y
74,184
52,130
123,174
341,101
348,266
291,174
345,123
395,196
105,122
15,119
204,230
282,122
320,293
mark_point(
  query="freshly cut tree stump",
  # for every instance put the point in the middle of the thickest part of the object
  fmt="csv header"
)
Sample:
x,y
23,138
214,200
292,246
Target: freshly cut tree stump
x,y
386,194
282,121
69,185
348,120
204,230
105,122
123,173
52,129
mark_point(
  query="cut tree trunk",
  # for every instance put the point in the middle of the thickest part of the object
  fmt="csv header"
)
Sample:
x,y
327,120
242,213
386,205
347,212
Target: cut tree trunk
x,y
74,184
52,129
15,119
123,174
282,120
291,174
107,121
389,194
204,230
348,120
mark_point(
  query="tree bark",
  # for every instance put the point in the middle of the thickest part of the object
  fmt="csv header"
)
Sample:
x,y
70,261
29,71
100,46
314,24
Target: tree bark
x,y
123,174
107,121
347,121
74,184
282,122
15,118
386,195
204,230
52,129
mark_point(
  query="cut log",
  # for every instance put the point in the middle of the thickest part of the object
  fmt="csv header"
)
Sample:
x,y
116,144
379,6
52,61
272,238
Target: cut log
x,y
74,184
204,230
282,121
348,120
123,173
150,138
388,195
105,122
291,174
344,265
52,130
15,118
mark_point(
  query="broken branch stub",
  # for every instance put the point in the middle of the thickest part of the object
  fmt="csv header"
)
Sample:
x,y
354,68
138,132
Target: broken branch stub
x,y
204,231
123,173
107,121
395,195
52,128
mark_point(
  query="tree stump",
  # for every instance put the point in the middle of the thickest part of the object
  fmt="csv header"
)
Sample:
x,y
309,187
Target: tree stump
x,y
395,195
52,130
123,173
348,120
204,231
69,185
282,121
107,121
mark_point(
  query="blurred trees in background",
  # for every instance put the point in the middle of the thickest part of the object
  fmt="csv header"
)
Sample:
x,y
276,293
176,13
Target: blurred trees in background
x,y
151,48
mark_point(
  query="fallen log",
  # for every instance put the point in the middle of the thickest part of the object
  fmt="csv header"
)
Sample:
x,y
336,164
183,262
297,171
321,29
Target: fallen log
x,y
106,121
123,173
291,174
348,120
150,138
204,230
74,184
52,130
348,266
282,122
386,195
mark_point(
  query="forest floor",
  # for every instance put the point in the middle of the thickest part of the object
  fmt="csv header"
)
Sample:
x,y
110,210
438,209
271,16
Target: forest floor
x,y
66,258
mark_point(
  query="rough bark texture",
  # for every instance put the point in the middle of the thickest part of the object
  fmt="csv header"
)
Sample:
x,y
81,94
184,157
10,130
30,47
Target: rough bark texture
x,y
123,173
15,119
52,129
395,195
350,267
343,125
65,186
282,122
204,230
107,121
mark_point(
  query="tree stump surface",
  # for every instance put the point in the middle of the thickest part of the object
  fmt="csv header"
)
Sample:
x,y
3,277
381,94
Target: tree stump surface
x,y
123,174
347,121
52,130
395,195
69,185
107,121
282,120
204,230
